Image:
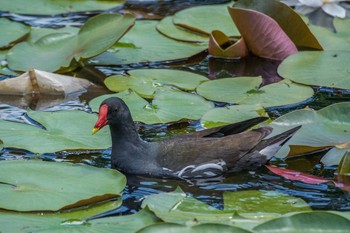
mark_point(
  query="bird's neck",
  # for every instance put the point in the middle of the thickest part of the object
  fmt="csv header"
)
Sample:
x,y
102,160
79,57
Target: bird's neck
x,y
124,134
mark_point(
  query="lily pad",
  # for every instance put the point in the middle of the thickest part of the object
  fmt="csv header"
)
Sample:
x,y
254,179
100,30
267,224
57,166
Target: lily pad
x,y
327,68
57,50
167,106
297,31
245,90
146,82
36,33
24,223
47,186
325,128
221,45
144,44
339,40
204,19
201,228
177,207
65,130
167,28
51,7
11,32
231,114
311,222
262,35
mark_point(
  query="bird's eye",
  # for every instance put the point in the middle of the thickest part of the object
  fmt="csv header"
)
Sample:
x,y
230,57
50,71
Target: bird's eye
x,y
115,110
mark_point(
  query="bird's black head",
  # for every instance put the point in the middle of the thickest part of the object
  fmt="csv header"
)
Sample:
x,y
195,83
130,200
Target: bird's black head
x,y
112,111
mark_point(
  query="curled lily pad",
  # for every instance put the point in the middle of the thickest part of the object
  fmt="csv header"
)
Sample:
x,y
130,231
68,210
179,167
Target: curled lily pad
x,y
44,7
11,31
169,29
245,90
221,45
57,50
167,106
325,128
146,82
47,186
65,130
37,81
144,44
204,19
297,31
327,68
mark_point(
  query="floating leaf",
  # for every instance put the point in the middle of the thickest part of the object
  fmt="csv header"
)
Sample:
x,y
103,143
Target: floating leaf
x,y
146,82
328,127
57,50
339,40
220,45
231,114
201,228
177,207
297,31
204,19
66,130
36,33
167,106
37,81
262,35
167,28
11,32
311,222
44,7
24,223
327,68
143,43
245,90
47,186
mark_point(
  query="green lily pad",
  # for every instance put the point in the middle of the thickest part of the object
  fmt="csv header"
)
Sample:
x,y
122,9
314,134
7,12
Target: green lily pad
x,y
311,222
339,40
52,7
231,114
247,212
36,33
3,64
24,223
143,44
201,228
146,82
167,106
57,50
11,31
65,131
327,68
327,127
204,19
245,90
167,28
47,186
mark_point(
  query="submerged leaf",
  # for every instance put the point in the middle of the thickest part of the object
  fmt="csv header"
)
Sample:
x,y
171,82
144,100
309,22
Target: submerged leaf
x,y
47,186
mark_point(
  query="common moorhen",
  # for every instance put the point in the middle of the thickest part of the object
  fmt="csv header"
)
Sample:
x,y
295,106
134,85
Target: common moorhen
x,y
206,153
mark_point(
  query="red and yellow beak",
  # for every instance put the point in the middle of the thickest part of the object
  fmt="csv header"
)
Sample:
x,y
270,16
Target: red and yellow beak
x,y
102,119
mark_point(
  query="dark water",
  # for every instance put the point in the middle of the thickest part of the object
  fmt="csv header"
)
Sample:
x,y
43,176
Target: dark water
x,y
323,197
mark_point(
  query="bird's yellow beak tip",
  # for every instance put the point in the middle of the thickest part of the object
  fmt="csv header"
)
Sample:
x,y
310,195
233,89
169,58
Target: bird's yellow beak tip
x,y
94,130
